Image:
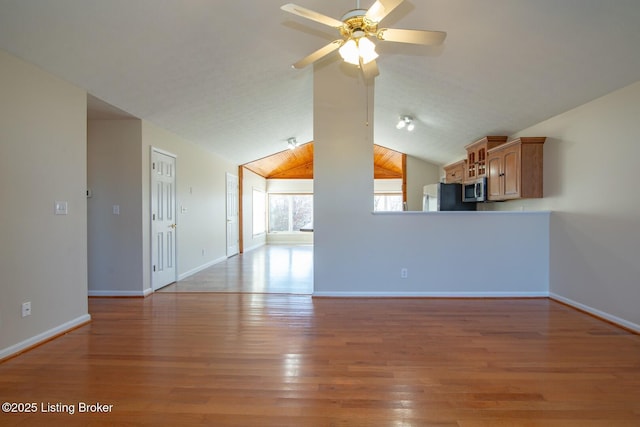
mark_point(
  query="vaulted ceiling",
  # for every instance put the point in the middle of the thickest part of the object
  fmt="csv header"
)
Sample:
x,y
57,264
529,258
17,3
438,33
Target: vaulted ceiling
x,y
218,72
298,164
287,164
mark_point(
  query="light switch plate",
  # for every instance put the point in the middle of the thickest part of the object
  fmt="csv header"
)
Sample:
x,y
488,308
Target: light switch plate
x,y
61,208
26,309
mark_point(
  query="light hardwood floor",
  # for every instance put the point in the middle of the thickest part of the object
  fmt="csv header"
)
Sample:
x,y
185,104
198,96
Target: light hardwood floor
x,y
257,359
286,269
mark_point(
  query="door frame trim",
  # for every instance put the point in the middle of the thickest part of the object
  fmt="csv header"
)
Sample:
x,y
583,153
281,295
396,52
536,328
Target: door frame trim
x,y
152,150
226,202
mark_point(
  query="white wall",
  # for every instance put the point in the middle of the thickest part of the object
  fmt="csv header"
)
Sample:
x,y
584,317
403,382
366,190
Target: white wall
x,y
393,185
114,167
460,254
343,185
290,186
419,174
590,182
446,253
42,160
251,181
201,189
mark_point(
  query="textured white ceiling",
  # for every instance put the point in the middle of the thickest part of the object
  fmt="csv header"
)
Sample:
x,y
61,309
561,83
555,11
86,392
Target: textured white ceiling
x,y
218,72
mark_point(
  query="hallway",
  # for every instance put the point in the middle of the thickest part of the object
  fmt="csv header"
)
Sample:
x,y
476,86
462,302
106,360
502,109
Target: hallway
x,y
270,269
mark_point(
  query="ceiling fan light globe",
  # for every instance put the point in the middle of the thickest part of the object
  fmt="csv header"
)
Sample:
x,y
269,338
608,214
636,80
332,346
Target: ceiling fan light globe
x,y
411,127
349,52
401,124
367,50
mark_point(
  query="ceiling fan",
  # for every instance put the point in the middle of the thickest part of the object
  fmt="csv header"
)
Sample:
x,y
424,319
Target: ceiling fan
x,y
357,27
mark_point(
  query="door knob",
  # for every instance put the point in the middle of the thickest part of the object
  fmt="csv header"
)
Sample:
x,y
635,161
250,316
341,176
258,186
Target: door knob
x,y
172,226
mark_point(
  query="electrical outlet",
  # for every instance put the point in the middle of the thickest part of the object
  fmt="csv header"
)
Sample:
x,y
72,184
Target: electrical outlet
x,y
404,273
26,309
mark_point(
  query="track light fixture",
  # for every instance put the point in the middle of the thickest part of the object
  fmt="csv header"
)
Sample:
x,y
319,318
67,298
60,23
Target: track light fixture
x,y
292,143
406,122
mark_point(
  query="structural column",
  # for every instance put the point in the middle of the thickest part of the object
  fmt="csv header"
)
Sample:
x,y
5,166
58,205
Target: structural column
x,y
343,174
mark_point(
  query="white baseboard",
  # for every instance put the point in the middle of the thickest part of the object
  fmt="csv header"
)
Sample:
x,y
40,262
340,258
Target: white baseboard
x,y
33,341
601,314
200,268
431,294
301,238
254,247
144,293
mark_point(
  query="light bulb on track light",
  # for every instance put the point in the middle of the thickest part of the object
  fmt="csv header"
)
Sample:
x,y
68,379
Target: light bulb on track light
x,y
406,122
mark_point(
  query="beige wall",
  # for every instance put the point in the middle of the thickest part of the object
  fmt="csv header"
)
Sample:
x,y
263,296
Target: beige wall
x,y
590,183
419,174
201,189
118,161
251,181
114,241
42,160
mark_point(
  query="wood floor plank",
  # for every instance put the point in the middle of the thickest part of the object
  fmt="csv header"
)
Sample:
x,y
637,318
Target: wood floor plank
x,y
292,360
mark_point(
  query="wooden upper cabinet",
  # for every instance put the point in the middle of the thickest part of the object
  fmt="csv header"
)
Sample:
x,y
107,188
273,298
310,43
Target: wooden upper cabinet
x,y
455,172
494,177
515,169
477,156
511,172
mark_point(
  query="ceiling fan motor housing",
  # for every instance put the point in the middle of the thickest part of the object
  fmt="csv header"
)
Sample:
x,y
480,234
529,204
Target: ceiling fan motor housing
x,y
357,26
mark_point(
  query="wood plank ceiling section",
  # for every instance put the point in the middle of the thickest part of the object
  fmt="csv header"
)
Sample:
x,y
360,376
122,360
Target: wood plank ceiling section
x,y
298,164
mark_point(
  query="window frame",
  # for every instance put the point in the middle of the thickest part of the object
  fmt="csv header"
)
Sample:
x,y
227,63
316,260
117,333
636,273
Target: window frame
x,y
385,194
290,213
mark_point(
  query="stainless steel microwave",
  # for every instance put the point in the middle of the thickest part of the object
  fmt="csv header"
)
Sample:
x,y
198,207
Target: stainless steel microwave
x,y
475,191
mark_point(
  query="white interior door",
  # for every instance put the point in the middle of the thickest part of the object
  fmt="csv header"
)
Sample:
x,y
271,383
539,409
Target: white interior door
x,y
163,219
232,215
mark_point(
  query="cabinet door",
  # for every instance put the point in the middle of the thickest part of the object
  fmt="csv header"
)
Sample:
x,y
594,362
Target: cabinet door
x,y
482,162
455,173
511,172
471,166
494,176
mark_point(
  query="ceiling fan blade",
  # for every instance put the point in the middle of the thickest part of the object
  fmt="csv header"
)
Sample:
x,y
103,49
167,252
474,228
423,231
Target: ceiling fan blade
x,y
381,8
412,36
310,14
320,53
369,70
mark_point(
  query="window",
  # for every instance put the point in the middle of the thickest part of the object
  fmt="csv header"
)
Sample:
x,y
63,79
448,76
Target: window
x,y
259,212
387,202
290,212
